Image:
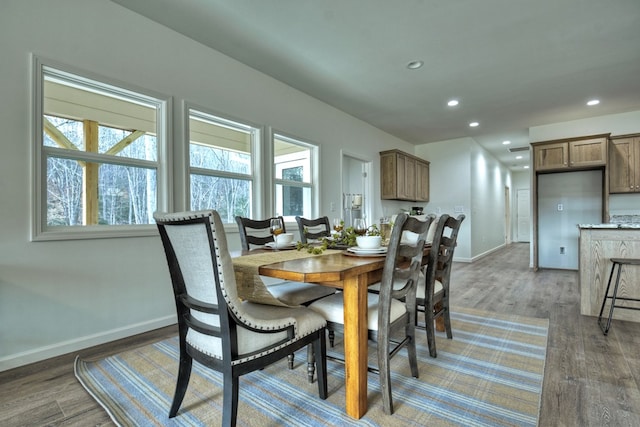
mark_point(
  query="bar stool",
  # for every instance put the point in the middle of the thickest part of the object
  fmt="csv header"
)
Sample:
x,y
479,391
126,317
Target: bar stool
x,y
616,262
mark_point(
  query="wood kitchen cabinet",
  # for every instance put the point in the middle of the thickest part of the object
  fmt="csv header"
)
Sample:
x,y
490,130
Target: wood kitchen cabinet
x,y
572,153
551,156
403,177
624,164
422,181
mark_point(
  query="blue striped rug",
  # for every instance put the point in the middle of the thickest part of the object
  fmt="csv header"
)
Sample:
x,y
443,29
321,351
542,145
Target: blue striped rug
x,y
490,374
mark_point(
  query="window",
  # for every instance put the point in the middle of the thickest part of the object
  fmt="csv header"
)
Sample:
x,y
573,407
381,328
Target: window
x,y
98,157
294,166
221,163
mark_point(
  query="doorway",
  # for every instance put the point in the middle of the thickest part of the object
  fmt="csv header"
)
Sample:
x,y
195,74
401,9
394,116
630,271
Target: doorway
x,y
523,209
507,215
355,189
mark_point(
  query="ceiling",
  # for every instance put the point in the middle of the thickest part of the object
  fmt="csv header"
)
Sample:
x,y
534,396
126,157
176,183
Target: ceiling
x,y
512,64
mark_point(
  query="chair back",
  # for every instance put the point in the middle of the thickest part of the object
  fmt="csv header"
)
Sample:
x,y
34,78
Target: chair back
x,y
215,327
256,231
313,228
202,276
402,267
442,250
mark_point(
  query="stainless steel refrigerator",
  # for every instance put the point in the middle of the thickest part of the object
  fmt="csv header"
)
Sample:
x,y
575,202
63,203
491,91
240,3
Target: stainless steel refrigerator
x,y
564,201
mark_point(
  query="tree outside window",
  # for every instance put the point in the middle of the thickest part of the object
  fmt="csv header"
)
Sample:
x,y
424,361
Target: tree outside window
x,y
220,158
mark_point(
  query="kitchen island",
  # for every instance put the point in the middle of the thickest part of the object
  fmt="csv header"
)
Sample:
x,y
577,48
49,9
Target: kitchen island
x,y
598,244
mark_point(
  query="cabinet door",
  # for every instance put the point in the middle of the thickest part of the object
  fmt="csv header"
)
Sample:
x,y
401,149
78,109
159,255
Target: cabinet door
x,y
407,191
388,176
422,181
621,165
588,152
551,156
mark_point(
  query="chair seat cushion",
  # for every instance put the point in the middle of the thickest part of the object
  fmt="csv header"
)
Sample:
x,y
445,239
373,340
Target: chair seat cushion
x,y
298,293
332,308
305,321
421,290
399,284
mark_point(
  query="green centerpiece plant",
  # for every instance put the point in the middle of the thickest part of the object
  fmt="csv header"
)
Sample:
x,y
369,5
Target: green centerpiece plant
x,y
341,240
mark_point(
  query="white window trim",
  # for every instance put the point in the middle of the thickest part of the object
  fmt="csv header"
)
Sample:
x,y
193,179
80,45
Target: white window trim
x,y
257,176
39,231
314,183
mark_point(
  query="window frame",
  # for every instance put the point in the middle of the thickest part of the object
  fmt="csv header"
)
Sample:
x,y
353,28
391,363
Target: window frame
x,y
258,197
313,184
39,230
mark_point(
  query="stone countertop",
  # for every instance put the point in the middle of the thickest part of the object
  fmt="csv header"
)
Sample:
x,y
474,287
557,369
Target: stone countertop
x,y
614,226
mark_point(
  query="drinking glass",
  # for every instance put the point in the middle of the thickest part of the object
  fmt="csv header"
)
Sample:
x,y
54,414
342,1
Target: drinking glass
x,y
385,230
360,226
275,228
338,224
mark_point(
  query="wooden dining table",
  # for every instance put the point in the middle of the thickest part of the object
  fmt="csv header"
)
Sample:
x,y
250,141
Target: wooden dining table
x,y
353,275
337,269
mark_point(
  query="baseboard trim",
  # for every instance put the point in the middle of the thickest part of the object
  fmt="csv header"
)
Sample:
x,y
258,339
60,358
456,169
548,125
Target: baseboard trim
x,y
489,252
36,355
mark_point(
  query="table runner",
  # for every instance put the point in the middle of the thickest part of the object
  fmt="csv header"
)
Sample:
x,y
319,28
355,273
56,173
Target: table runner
x,y
249,284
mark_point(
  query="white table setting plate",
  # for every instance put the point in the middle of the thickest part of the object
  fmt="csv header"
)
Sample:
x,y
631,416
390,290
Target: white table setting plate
x,y
271,245
359,251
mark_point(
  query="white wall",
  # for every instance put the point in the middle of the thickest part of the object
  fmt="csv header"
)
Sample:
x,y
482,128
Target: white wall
x,y
489,178
449,177
57,297
616,124
464,176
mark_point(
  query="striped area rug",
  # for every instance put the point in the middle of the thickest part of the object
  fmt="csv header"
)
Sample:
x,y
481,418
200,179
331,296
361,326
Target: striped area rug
x,y
490,374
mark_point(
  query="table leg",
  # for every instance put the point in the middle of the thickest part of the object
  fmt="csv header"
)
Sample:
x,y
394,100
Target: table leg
x,y
355,345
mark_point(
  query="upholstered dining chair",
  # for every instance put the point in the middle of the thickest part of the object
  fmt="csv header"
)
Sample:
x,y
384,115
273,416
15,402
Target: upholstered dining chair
x,y
217,329
287,292
391,321
256,231
433,287
312,229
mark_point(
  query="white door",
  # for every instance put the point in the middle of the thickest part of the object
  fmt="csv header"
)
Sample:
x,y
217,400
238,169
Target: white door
x,y
523,208
507,215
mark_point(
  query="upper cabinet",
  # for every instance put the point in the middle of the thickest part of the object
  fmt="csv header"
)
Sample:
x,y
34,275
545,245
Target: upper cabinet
x,y
624,164
576,153
403,177
551,156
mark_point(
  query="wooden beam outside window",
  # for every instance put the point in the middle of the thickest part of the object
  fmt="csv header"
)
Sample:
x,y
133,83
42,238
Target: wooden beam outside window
x,y
90,175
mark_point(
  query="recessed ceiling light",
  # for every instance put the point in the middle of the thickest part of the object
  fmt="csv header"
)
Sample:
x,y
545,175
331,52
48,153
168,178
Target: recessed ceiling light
x,y
593,102
526,167
474,124
506,142
518,157
453,103
414,65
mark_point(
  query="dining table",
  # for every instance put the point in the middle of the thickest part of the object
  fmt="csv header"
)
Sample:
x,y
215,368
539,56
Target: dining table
x,y
351,274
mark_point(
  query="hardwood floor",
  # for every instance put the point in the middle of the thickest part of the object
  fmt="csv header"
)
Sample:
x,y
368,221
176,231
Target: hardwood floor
x,y
590,379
